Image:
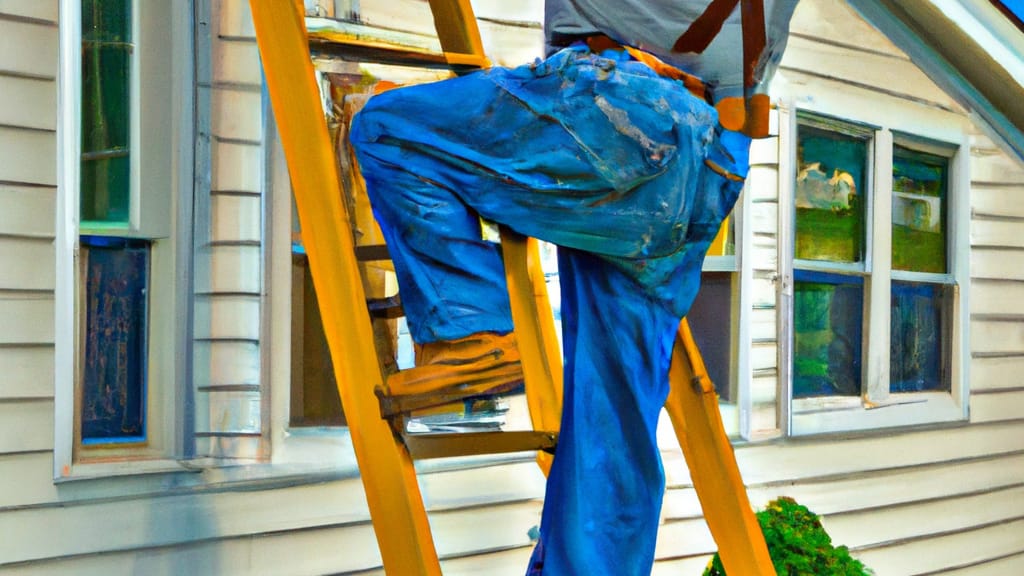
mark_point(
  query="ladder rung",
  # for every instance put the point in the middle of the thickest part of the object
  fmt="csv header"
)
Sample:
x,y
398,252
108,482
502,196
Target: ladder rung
x,y
385,308
425,446
372,252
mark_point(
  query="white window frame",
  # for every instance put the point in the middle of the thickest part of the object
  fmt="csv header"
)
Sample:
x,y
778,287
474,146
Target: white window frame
x,y
877,408
166,161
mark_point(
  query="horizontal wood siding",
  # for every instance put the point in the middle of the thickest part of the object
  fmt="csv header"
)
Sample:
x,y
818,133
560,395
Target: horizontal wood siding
x,y
228,385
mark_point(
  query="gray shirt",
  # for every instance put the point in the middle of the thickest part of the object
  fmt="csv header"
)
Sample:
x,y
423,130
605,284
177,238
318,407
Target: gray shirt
x,y
654,26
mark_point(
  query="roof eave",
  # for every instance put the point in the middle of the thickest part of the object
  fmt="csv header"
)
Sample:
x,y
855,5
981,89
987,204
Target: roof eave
x,y
955,61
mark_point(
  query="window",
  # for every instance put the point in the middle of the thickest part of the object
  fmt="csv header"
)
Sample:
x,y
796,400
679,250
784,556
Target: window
x,y
116,297
875,295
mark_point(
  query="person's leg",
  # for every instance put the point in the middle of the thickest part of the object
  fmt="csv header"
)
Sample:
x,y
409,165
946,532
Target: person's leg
x,y
606,484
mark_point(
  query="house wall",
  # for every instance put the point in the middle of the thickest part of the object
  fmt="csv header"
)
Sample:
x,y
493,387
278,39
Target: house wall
x,y
937,500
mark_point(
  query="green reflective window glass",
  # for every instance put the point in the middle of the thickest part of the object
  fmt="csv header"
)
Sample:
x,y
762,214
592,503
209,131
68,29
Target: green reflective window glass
x,y
919,326
828,312
106,110
105,185
919,183
830,187
107,20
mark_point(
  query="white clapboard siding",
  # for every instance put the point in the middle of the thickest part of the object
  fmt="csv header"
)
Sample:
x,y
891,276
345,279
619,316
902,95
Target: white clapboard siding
x,y
1002,232
464,488
797,460
235,269
991,165
27,210
765,151
29,156
763,183
26,425
873,527
41,10
511,45
998,298
990,337
28,102
26,478
679,566
27,264
997,264
853,64
236,62
1013,564
32,315
27,372
231,316
764,217
957,549
236,218
297,553
234,19
764,388
878,490
996,407
28,48
835,20
762,324
763,356
227,363
996,200
115,525
762,287
230,413
237,114
997,373
237,166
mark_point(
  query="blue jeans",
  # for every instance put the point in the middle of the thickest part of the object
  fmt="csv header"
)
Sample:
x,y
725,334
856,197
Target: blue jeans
x,y
601,156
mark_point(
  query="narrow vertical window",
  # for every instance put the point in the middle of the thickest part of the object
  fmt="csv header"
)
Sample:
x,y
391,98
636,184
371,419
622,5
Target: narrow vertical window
x,y
107,52
114,271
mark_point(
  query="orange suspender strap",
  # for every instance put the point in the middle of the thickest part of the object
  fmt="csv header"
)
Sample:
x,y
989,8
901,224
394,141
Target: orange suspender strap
x,y
749,114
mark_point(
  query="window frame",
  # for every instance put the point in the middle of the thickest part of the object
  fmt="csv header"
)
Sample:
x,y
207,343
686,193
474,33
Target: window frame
x,y
154,215
877,408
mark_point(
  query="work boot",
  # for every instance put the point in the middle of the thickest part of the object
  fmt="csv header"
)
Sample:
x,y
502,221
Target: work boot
x,y
481,363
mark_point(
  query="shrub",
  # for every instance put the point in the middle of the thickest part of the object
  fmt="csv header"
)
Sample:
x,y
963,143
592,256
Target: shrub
x,y
798,544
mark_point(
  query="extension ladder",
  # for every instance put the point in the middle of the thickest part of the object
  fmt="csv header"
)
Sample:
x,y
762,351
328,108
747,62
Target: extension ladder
x,y
386,457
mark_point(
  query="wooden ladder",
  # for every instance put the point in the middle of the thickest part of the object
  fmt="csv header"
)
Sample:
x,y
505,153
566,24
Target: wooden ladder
x,y
386,458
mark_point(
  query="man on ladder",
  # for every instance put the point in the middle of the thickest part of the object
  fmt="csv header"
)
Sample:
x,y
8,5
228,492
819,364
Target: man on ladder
x,y
626,147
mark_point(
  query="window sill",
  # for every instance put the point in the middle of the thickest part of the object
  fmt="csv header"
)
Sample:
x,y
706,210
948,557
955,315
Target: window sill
x,y
121,469
824,416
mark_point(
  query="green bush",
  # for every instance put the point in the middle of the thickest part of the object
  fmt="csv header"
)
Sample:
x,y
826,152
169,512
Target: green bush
x,y
798,544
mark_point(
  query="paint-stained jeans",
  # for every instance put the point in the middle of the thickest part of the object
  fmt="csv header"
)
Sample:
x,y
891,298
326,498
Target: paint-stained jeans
x,y
595,153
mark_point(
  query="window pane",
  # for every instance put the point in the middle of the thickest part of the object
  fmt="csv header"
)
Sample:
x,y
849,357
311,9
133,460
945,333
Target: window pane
x,y
106,110
827,334
829,201
314,398
106,105
107,20
710,320
919,183
920,342
113,407
105,185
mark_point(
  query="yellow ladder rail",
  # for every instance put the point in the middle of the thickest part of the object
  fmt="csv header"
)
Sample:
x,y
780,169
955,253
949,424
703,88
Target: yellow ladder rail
x,y
392,492
692,405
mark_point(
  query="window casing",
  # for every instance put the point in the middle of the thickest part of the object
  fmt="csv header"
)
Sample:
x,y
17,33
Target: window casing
x,y
877,264
121,142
